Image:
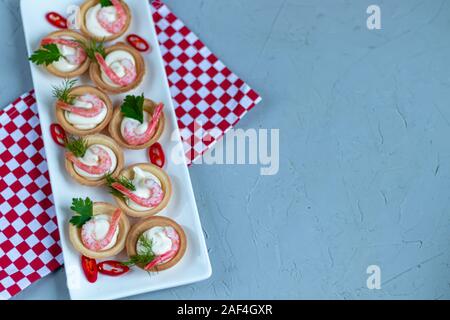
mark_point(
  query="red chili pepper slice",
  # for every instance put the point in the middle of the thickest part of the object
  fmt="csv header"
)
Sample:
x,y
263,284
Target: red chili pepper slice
x,y
112,268
90,268
156,154
137,42
56,20
58,134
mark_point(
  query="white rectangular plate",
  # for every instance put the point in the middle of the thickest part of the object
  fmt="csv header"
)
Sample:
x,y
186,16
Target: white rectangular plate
x,y
195,266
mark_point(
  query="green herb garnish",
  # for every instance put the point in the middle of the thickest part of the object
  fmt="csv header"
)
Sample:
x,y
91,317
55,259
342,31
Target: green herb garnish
x,y
133,107
145,254
48,54
77,146
84,208
127,183
106,3
63,92
91,47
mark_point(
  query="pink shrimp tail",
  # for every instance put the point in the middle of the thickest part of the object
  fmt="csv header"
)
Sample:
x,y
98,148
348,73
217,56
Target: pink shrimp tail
x,y
101,244
97,107
102,167
61,41
117,25
156,195
133,139
130,71
155,119
80,55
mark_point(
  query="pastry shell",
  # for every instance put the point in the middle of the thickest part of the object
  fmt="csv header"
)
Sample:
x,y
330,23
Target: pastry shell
x,y
114,127
124,227
138,229
96,74
68,127
165,183
83,28
103,140
82,68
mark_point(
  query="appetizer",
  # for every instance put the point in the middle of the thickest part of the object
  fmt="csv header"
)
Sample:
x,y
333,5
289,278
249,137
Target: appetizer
x,y
141,190
104,20
97,230
138,123
90,159
62,54
82,110
155,244
116,69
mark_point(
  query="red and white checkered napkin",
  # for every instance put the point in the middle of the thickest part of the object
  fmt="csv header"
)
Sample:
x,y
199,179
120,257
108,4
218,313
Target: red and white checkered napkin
x,y
209,99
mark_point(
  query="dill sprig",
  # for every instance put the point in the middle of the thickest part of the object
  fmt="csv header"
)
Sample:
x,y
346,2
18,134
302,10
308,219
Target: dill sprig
x,y
77,146
144,256
127,183
63,91
91,47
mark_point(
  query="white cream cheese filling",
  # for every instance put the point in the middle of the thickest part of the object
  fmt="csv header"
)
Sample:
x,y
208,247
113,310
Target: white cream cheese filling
x,y
92,23
161,243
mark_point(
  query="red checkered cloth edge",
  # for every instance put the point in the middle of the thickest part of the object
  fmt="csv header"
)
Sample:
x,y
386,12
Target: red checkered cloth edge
x,y
209,100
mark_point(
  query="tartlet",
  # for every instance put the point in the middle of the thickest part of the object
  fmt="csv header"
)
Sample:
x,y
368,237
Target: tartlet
x,y
122,52
98,179
64,116
115,126
74,69
101,34
141,227
101,208
129,176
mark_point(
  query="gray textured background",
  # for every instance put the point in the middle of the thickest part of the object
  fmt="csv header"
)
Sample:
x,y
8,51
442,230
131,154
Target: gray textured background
x,y
365,174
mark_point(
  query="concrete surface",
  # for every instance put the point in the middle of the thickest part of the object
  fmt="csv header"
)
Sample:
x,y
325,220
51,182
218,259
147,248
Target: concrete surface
x,y
364,121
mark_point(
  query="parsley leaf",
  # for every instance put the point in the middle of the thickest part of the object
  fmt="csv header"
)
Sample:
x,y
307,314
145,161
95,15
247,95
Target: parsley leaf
x,y
48,54
84,208
106,3
133,107
145,254
77,146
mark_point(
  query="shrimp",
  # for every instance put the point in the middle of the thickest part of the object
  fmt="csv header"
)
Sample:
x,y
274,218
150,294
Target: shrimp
x,y
117,25
136,139
103,165
88,233
95,110
173,235
130,71
155,198
80,55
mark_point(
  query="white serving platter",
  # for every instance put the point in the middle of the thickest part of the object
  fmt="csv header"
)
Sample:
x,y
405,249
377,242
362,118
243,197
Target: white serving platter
x,y
195,265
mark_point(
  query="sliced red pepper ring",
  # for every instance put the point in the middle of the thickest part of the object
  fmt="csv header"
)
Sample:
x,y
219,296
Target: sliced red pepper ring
x,y
58,134
89,268
156,154
112,268
138,42
56,20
